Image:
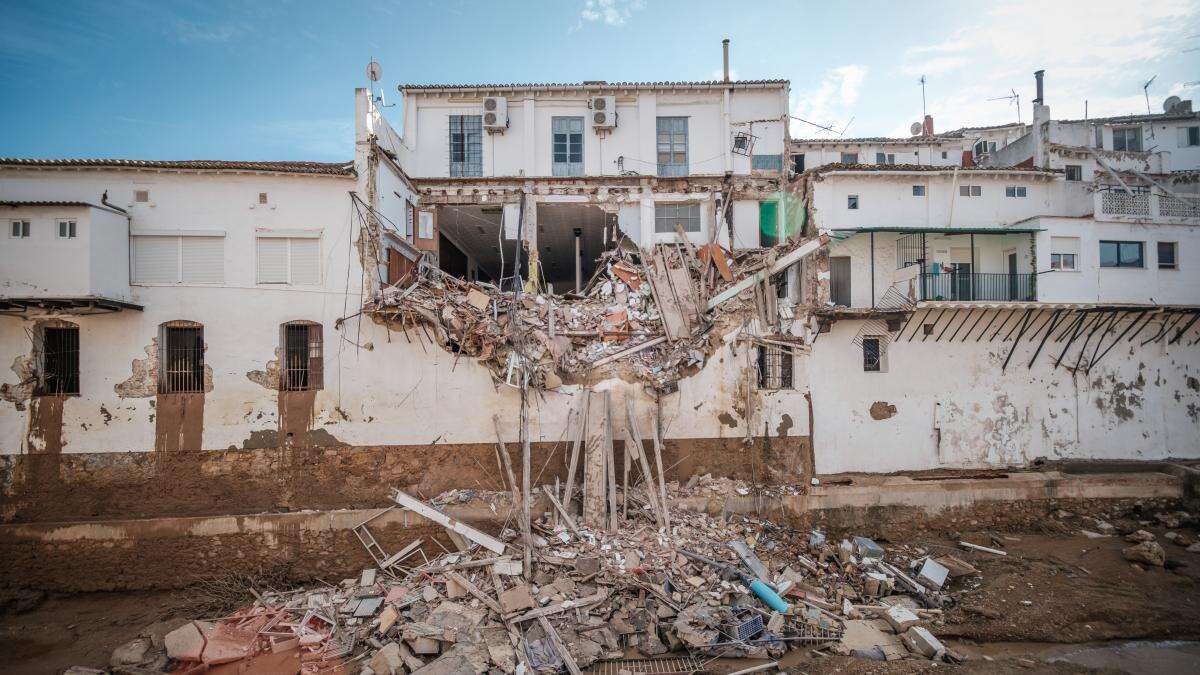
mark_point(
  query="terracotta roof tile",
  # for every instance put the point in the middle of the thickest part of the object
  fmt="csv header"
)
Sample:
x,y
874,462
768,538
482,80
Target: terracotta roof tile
x,y
321,168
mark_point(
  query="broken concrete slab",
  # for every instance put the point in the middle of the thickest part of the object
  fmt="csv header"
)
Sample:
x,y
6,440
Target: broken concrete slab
x,y
517,599
933,574
920,641
186,643
900,618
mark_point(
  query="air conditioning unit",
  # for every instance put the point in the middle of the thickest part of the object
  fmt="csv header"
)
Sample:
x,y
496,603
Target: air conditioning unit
x,y
495,113
604,112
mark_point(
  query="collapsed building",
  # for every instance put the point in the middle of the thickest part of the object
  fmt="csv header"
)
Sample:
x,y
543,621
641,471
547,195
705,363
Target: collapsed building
x,y
191,340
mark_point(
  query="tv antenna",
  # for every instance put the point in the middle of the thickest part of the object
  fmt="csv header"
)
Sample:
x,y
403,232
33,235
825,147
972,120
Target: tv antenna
x,y
922,81
1013,98
1146,91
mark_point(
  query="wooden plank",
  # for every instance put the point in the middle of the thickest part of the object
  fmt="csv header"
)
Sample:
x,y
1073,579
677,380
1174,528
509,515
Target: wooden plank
x,y
561,511
626,352
610,464
651,487
517,496
675,324
558,644
549,610
662,479
474,590
594,477
421,508
581,420
798,253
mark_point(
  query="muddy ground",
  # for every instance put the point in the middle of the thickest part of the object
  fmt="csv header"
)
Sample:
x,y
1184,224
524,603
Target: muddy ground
x,y
1057,594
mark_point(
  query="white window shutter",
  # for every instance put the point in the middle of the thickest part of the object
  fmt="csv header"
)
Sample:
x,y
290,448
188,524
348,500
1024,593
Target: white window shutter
x,y
203,260
155,260
426,223
306,261
272,260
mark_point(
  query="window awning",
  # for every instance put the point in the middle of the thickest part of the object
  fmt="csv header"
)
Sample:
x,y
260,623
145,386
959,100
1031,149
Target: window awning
x,y
838,234
76,306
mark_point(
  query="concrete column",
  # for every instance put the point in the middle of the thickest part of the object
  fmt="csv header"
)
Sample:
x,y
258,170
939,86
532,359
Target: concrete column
x,y
646,240
529,137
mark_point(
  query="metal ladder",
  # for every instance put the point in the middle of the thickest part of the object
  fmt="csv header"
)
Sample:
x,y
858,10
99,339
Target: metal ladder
x,y
368,541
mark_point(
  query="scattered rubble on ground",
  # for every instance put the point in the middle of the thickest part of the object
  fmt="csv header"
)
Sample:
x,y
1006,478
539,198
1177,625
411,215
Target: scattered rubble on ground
x,y
643,314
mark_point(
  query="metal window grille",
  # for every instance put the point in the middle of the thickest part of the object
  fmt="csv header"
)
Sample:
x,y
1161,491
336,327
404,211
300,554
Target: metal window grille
x,y
466,146
60,362
774,367
1074,172
667,215
872,355
567,142
910,250
303,357
672,141
182,360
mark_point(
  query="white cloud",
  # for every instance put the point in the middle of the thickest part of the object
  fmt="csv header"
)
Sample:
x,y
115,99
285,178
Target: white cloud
x,y
609,12
830,103
1089,54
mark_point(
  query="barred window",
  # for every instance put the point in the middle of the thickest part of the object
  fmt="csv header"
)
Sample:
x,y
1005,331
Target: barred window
x,y
466,146
304,366
59,373
872,355
181,358
774,367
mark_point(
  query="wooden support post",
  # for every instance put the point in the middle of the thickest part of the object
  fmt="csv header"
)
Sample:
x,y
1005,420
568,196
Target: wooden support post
x,y
662,478
581,420
651,487
611,463
594,470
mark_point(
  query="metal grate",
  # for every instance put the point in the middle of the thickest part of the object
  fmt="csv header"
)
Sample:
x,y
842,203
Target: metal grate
x,y
182,363
774,367
872,354
683,665
303,356
60,362
910,249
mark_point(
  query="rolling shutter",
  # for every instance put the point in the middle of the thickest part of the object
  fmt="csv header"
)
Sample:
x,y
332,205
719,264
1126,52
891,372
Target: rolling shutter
x,y
306,260
272,260
203,260
155,260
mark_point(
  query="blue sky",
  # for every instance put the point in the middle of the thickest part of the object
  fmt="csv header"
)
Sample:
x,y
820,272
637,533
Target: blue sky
x,y
275,80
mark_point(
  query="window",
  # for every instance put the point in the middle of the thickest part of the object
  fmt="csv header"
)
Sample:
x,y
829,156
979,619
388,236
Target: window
x,y
1128,139
984,147
19,230
884,158
1168,258
970,190
872,355
59,373
567,141
178,259
304,366
774,367
410,213
141,196
1189,137
1062,261
289,260
1121,254
1074,172
667,215
262,198
66,229
918,190
798,163
767,162
943,154
1100,137
466,146
849,158
425,224
1015,191
181,358
672,146
852,202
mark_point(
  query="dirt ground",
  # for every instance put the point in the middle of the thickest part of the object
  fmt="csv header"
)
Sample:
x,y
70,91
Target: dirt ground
x,y
1057,594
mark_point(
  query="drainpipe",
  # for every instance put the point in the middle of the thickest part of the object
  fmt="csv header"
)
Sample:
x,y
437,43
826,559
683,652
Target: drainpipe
x,y
725,113
128,238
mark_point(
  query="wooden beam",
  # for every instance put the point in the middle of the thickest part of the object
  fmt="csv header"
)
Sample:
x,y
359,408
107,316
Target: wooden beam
x,y
422,509
796,255
474,590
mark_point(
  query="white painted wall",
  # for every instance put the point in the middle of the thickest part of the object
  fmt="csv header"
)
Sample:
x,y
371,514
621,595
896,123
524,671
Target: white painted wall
x,y
906,152
1139,403
524,149
45,265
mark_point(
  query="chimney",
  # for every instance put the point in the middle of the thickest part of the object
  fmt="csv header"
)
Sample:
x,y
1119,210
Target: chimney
x,y
927,126
725,49
1037,74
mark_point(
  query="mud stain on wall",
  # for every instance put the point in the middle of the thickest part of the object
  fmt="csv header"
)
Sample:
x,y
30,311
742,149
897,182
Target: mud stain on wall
x,y
179,422
785,425
728,420
45,425
882,410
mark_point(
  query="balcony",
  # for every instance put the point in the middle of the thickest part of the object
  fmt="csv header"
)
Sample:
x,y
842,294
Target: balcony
x,y
984,286
1116,204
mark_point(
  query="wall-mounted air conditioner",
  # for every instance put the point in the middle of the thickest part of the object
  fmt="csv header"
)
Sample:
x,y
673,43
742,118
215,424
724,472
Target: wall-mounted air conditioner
x,y
495,113
604,112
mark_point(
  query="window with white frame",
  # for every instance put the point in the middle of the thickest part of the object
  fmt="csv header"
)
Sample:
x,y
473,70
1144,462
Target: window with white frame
x,y
852,202
885,158
970,190
983,147
66,229
849,158
19,229
177,259
1064,253
466,146
289,260
1015,191
567,145
686,215
1127,139
1189,137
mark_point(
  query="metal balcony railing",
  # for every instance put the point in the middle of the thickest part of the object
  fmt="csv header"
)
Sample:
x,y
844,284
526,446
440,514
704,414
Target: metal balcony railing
x,y
996,287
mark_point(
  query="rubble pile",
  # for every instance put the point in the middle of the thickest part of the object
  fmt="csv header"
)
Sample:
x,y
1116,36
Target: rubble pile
x,y
643,313
707,587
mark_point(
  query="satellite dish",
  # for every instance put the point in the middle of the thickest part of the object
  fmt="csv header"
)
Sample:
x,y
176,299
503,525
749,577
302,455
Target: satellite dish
x,y
916,128
374,71
1170,103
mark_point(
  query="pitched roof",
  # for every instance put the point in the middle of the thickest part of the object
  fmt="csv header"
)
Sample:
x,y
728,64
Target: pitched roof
x,y
872,139
906,168
320,168
14,204
597,85
1129,119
